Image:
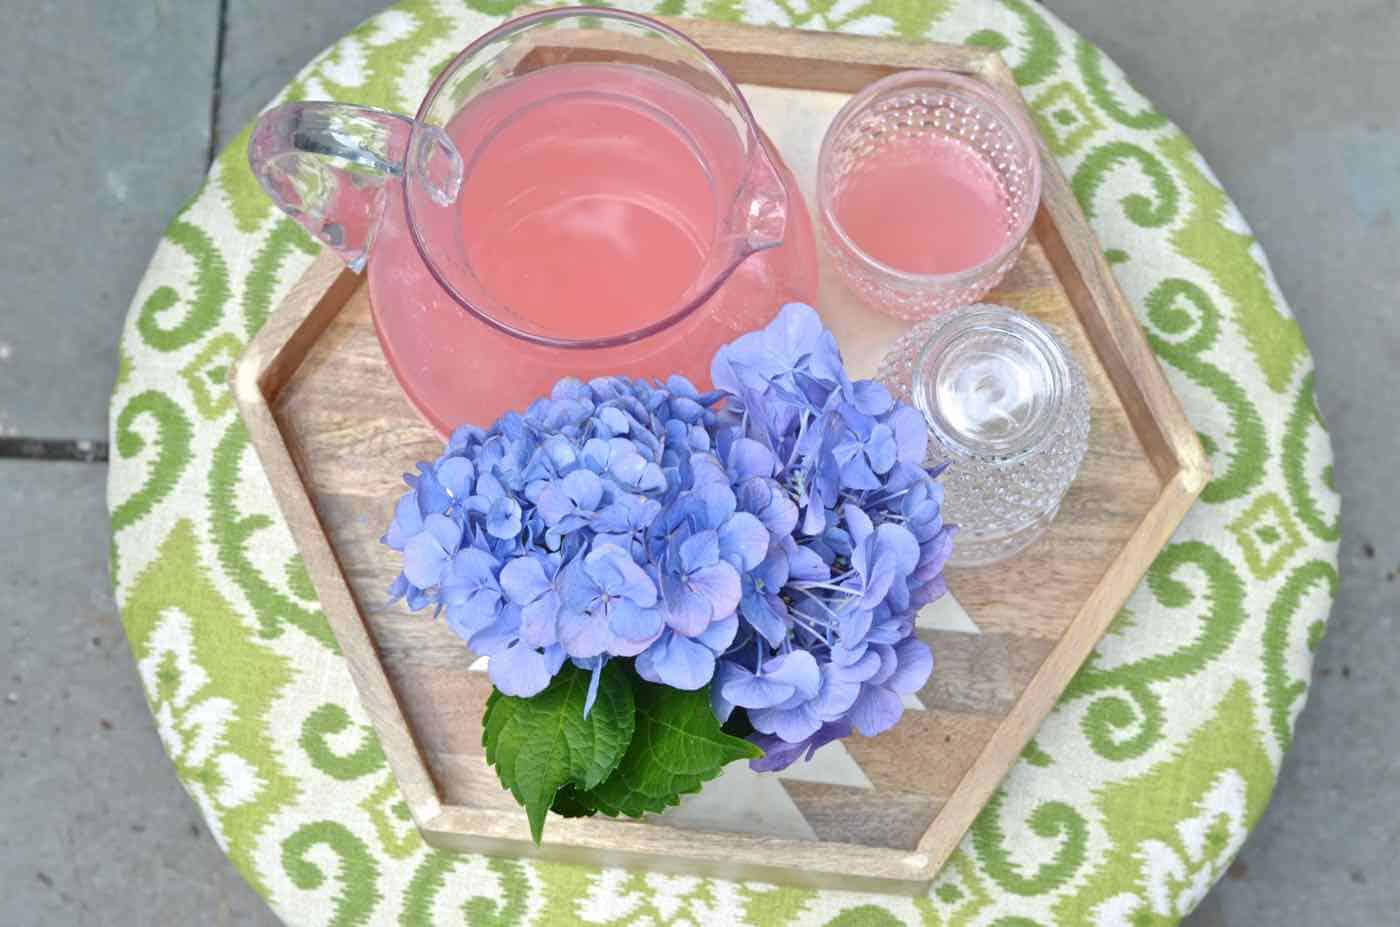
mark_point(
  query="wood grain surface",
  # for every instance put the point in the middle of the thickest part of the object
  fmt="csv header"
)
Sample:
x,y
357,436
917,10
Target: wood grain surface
x,y
335,433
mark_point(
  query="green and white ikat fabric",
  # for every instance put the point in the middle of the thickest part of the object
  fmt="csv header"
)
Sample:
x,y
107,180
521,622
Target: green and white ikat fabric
x,y
1138,789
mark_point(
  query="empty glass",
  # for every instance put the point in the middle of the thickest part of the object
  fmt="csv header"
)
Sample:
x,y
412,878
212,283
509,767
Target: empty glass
x,y
1008,409
944,171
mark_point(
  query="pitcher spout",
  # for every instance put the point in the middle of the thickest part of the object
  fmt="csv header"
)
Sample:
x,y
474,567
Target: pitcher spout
x,y
762,205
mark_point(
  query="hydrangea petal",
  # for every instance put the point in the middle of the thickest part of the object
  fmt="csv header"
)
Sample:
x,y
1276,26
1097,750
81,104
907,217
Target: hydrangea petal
x,y
743,540
398,589
836,697
503,519
496,636
630,621
889,662
720,634
687,611
797,669
720,586
554,504
615,419
748,458
582,635
855,664
915,661
910,434
469,618
793,724
889,631
725,671
539,620
408,521
523,580
445,531
592,695
431,496
456,475
901,543
766,613
616,573
718,503
749,691
877,576
520,671
876,710
855,623
699,550
871,397
424,560
678,662
858,524
778,754
881,451
856,474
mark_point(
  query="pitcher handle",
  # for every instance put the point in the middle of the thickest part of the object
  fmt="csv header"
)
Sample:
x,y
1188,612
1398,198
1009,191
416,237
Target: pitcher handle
x,y
328,166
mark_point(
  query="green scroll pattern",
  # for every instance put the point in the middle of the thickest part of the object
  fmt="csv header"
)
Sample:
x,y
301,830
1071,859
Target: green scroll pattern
x,y
234,533
1041,54
172,455
1123,697
202,308
356,880
1274,338
1184,329
1190,700
1052,819
1304,425
211,688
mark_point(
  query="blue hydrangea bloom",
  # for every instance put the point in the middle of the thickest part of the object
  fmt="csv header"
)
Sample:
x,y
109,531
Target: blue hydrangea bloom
x,y
598,524
826,643
771,539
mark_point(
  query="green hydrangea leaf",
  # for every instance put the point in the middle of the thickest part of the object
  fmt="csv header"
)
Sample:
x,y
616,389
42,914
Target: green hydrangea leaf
x,y
677,747
569,802
541,744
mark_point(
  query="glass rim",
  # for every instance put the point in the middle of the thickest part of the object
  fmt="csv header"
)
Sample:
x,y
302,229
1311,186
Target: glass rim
x,y
985,94
529,20
958,323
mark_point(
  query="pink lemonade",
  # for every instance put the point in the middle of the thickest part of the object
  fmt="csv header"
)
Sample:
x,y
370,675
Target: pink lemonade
x,y
587,213
590,207
925,205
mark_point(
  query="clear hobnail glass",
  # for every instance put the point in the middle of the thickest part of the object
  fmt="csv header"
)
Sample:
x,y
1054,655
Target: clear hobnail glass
x,y
1007,409
910,105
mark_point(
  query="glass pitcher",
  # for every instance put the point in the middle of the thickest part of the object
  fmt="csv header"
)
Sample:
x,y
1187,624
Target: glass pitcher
x,y
582,192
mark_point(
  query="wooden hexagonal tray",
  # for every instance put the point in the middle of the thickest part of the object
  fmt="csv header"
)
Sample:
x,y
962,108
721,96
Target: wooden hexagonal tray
x,y
334,433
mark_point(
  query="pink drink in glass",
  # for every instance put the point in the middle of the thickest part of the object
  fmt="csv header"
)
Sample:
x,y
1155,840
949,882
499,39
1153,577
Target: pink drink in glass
x,y
926,205
927,185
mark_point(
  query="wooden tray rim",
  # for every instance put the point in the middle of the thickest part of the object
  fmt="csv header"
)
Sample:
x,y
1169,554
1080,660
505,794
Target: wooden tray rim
x,y
754,54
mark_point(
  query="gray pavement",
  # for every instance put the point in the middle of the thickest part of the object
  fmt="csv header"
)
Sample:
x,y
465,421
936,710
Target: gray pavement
x,y
104,139
1294,103
1297,108
95,828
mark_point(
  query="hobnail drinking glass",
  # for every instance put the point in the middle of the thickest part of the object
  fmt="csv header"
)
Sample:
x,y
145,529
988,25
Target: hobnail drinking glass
x,y
911,105
1007,409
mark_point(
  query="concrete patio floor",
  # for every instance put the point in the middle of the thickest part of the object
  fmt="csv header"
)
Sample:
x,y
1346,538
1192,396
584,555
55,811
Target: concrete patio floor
x,y
1294,104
